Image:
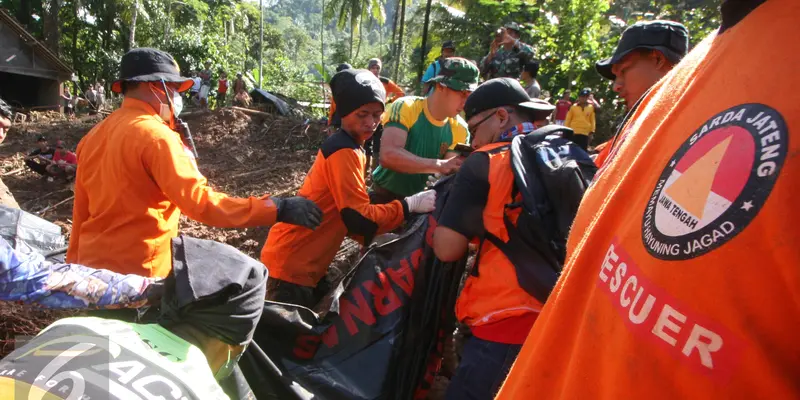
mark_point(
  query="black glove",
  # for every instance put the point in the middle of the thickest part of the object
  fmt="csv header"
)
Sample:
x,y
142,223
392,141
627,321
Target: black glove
x,y
298,211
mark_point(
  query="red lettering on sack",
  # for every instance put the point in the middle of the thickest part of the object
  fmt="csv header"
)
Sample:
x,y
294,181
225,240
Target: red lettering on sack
x,y
654,314
330,337
432,369
306,346
429,232
383,296
360,310
402,277
416,258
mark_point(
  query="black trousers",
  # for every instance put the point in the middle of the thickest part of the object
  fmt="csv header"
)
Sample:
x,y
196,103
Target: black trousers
x,y
40,169
287,292
581,140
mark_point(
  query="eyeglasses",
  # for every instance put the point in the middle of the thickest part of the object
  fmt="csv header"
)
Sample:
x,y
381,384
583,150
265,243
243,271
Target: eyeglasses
x,y
473,128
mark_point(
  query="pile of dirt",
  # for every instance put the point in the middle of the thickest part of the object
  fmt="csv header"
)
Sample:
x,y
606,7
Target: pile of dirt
x,y
241,154
50,200
19,322
46,116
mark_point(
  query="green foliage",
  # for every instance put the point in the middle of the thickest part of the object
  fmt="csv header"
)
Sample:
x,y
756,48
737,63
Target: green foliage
x,y
568,36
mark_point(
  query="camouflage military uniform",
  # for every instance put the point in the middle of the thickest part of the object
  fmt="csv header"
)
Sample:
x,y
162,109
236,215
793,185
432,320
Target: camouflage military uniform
x,y
507,63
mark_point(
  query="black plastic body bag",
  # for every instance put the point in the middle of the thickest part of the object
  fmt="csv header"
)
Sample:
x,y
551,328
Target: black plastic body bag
x,y
378,334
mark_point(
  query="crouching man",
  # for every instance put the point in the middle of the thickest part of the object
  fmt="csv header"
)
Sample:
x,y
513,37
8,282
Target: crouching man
x,y
211,304
298,257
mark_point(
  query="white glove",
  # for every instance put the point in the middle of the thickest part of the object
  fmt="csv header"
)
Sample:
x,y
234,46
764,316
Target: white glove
x,y
422,202
432,179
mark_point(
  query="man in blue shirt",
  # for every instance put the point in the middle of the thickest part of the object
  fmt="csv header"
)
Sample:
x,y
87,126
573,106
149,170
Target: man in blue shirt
x,y
448,50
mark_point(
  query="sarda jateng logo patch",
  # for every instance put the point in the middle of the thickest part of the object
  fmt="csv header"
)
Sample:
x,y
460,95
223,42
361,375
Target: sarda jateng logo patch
x,y
715,183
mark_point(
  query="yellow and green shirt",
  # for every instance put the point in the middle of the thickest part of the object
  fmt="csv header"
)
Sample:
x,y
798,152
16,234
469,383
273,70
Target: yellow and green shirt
x,y
427,137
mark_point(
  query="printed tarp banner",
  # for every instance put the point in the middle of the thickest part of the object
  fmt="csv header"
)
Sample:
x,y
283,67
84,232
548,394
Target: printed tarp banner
x,y
27,232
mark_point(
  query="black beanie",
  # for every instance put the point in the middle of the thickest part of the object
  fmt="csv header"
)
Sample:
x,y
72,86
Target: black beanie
x,y
352,88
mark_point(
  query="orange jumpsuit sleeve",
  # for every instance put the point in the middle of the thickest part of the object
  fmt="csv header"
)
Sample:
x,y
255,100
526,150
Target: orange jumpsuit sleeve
x,y
80,213
602,156
172,167
393,91
345,176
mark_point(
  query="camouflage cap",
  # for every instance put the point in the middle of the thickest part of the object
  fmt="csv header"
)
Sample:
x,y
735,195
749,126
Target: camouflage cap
x,y
513,26
458,74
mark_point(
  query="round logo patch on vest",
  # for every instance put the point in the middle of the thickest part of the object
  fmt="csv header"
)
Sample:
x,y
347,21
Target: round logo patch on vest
x,y
715,183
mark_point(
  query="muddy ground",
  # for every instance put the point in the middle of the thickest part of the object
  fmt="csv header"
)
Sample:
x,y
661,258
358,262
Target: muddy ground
x,y
240,154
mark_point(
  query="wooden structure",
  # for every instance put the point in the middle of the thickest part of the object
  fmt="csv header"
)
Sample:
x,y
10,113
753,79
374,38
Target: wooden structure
x,y
31,76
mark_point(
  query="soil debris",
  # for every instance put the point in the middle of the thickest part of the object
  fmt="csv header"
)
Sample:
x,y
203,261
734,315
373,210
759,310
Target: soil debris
x,y
240,154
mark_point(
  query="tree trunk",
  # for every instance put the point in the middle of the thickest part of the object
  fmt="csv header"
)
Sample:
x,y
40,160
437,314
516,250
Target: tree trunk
x,y
76,25
322,52
111,13
360,34
352,29
424,53
24,13
132,32
400,40
393,47
394,25
51,25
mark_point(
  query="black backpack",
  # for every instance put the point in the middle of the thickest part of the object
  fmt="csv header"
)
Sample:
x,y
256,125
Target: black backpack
x,y
551,174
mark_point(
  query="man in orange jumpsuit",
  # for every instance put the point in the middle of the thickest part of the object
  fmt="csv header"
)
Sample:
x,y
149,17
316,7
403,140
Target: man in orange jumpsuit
x,y
137,177
298,258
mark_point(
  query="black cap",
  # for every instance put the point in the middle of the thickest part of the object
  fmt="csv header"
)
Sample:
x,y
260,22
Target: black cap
x,y
668,37
343,66
353,88
149,65
41,139
448,45
502,92
585,92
